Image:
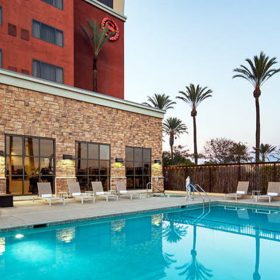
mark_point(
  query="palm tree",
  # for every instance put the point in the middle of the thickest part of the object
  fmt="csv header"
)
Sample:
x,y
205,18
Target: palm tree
x,y
194,95
160,101
265,150
173,127
259,71
97,38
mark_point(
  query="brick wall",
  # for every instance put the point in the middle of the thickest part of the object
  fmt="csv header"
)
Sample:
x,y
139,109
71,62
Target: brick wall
x,y
27,112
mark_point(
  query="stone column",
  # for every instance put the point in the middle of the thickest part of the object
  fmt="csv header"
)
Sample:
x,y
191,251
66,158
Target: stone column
x,y
65,172
117,174
157,179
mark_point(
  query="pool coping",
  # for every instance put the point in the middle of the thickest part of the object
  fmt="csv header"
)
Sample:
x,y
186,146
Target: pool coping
x,y
96,218
67,221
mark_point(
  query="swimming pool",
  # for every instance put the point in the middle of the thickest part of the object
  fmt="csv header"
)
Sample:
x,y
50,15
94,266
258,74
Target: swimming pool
x,y
223,241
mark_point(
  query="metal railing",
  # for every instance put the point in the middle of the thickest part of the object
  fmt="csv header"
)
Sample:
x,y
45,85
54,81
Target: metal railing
x,y
202,193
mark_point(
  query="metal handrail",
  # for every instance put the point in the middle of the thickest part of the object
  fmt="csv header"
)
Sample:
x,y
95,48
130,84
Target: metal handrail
x,y
197,188
203,191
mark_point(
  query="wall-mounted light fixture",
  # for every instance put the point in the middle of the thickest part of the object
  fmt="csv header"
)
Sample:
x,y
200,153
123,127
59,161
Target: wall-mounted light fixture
x,y
121,160
70,157
2,154
158,161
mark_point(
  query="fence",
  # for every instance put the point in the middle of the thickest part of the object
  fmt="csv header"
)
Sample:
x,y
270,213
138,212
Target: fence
x,y
222,178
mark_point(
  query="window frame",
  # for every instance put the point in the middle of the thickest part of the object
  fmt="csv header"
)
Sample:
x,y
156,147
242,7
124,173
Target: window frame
x,y
54,4
47,64
24,156
105,2
88,158
134,162
1,58
1,15
43,26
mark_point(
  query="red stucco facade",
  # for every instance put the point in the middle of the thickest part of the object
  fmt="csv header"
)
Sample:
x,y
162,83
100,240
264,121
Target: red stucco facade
x,y
75,56
110,65
18,53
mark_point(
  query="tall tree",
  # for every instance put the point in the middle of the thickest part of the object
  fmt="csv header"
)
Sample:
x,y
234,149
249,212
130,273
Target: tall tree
x,y
259,70
222,150
160,101
97,37
180,157
265,151
173,127
193,96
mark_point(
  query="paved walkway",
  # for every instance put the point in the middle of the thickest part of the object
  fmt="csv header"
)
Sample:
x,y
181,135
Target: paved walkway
x,y
26,213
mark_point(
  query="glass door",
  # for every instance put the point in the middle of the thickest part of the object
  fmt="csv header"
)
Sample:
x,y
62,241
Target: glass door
x,y
28,160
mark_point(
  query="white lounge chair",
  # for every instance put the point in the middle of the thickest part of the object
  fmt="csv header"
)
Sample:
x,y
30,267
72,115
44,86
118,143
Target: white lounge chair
x,y
75,191
241,191
273,190
98,191
45,193
122,191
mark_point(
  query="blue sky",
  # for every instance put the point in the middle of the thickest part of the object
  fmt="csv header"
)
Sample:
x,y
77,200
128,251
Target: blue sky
x,y
170,44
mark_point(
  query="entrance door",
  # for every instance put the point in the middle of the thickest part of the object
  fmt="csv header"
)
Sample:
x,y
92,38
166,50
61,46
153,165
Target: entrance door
x,y
28,161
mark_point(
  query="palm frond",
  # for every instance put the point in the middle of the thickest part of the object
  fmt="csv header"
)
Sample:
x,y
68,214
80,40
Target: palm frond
x,y
194,95
160,101
259,70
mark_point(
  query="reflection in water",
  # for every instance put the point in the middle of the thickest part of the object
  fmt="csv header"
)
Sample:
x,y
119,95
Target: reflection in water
x,y
157,220
256,275
66,235
2,245
118,226
173,232
194,270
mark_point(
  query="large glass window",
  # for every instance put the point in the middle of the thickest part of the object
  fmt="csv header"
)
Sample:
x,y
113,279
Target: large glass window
x,y
1,59
138,167
47,33
92,164
108,3
56,3
47,71
28,160
1,15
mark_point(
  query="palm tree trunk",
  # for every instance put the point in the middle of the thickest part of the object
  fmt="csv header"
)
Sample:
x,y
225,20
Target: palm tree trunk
x,y
94,66
195,141
258,129
171,143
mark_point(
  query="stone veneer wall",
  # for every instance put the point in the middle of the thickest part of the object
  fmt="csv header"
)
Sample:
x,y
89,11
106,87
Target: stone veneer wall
x,y
27,112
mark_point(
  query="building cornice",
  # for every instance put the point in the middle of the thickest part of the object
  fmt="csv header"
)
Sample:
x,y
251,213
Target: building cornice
x,y
106,9
42,86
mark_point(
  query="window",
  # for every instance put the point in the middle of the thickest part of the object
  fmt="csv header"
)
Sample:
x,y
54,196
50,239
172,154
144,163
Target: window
x,y
92,164
1,59
108,3
1,16
56,3
47,33
47,71
28,160
138,167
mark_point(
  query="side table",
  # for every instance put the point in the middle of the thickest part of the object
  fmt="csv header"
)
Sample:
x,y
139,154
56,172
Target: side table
x,y
255,193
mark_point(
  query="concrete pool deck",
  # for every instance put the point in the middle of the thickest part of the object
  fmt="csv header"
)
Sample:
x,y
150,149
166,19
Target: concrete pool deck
x,y
27,213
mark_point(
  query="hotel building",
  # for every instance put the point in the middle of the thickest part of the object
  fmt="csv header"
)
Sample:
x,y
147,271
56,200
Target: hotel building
x,y
53,127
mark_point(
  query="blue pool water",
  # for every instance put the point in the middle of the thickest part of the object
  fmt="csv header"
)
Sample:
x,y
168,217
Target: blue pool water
x,y
220,242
